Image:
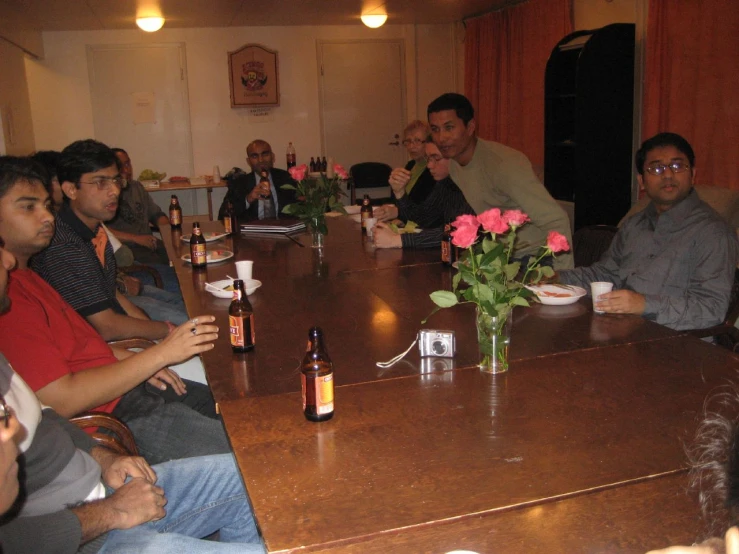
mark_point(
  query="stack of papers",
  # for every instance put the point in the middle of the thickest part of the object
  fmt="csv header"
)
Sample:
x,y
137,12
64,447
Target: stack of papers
x,y
279,226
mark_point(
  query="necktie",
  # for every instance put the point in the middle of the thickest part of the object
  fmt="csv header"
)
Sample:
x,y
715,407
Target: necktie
x,y
99,242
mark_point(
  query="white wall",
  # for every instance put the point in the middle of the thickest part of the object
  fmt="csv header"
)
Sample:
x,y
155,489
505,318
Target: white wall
x,y
62,111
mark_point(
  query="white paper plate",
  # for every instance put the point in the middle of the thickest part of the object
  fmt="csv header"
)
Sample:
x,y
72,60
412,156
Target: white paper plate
x,y
557,295
209,236
352,210
213,256
250,285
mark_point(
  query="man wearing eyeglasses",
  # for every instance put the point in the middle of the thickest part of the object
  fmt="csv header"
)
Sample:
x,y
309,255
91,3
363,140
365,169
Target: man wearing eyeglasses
x,y
80,263
673,262
246,191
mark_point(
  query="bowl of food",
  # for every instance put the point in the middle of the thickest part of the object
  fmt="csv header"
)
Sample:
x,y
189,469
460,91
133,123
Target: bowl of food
x,y
225,287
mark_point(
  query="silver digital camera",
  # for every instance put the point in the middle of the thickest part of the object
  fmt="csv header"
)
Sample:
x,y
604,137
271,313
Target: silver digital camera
x,y
432,342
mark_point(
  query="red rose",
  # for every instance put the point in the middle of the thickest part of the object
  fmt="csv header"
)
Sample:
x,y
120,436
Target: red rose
x,y
492,222
298,172
515,218
465,236
463,220
557,242
340,171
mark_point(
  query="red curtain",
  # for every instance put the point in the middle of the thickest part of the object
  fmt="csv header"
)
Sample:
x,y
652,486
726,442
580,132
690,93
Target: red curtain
x,y
691,83
506,53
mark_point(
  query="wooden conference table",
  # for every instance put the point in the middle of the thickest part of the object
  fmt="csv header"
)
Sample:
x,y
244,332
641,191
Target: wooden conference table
x,y
578,448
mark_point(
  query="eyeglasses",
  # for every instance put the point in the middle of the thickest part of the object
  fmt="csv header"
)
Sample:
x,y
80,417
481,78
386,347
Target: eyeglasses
x,y
104,183
435,159
414,141
658,168
6,411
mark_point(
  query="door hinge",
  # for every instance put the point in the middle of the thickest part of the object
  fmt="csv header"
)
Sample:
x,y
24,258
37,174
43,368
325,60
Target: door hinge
x,y
321,70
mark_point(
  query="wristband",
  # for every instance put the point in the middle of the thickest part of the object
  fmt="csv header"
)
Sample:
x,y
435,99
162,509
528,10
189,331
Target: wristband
x,y
170,327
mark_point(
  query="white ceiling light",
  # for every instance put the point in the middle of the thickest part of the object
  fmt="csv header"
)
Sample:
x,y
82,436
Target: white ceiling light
x,y
373,21
150,24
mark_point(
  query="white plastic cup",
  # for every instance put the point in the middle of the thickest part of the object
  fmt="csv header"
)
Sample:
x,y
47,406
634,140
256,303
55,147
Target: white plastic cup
x,y
216,174
371,222
596,289
244,269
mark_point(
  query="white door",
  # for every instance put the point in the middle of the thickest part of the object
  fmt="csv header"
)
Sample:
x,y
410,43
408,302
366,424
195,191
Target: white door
x,y
363,101
140,104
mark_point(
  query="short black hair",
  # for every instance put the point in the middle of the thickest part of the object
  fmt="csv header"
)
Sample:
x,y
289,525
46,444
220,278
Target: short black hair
x,y
658,141
14,169
84,156
453,101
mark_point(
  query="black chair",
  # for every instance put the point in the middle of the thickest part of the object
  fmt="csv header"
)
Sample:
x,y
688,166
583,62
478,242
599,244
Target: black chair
x,y
368,175
590,243
725,334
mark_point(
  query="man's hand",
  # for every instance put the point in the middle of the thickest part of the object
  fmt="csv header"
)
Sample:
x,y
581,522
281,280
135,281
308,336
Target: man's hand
x,y
622,302
189,339
385,237
385,212
137,502
164,376
123,467
398,180
261,189
147,241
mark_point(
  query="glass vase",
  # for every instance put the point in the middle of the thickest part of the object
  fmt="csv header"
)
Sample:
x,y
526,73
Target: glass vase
x,y
314,225
493,340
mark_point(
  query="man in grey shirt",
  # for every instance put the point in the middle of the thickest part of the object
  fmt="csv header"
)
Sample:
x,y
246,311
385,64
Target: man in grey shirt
x,y
673,262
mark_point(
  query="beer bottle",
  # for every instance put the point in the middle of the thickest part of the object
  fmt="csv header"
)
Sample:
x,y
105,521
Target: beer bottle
x,y
291,159
324,164
366,212
241,320
266,200
175,213
448,250
312,166
198,254
317,379
229,221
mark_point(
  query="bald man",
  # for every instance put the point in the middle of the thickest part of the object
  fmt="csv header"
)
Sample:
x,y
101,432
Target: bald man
x,y
245,192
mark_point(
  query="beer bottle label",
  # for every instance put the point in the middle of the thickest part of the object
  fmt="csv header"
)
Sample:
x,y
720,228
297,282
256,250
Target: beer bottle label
x,y
365,217
228,224
445,251
236,328
324,394
198,254
175,217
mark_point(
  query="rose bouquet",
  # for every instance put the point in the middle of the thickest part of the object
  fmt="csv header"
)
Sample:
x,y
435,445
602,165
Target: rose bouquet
x,y
316,197
493,279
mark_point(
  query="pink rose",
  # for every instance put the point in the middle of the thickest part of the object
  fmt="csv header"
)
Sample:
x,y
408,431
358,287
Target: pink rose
x,y
298,172
515,218
557,242
464,236
463,220
492,222
340,171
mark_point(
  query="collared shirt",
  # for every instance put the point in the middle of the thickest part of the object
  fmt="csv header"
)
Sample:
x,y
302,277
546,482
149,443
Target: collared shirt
x,y
260,206
70,265
682,261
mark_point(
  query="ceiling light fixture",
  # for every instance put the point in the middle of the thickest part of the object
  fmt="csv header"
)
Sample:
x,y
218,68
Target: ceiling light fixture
x,y
150,24
373,21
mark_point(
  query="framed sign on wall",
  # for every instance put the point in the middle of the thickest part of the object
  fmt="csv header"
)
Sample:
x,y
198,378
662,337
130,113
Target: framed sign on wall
x,y
254,77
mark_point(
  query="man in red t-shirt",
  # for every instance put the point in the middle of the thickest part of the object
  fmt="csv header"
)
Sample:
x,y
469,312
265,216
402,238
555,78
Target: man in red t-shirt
x,y
68,364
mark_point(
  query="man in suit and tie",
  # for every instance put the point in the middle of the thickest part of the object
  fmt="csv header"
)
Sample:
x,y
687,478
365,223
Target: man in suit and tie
x,y
246,192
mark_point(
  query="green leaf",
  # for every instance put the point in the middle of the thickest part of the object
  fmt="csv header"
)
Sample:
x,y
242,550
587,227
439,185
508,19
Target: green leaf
x,y
511,270
444,298
455,281
519,301
288,187
290,209
547,271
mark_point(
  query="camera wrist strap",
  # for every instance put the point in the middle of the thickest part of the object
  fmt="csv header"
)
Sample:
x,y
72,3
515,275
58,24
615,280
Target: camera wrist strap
x,y
397,358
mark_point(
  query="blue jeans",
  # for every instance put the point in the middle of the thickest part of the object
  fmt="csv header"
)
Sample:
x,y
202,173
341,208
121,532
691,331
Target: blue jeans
x,y
168,274
161,305
204,495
